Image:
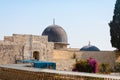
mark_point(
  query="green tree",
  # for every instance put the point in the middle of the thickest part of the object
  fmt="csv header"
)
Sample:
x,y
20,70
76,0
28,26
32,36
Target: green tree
x,y
115,26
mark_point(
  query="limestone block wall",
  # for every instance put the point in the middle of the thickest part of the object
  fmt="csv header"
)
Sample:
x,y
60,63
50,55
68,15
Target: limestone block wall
x,y
23,73
65,58
49,50
8,38
31,43
106,57
62,54
8,54
41,44
21,40
60,46
64,64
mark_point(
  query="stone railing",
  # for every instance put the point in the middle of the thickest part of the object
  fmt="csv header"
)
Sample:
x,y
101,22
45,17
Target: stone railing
x,y
25,73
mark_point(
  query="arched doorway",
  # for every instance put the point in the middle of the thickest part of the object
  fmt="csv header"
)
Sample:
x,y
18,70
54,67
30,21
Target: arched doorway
x,y
36,55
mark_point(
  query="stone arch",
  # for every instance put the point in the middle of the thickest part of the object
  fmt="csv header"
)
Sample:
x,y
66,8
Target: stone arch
x,y
36,55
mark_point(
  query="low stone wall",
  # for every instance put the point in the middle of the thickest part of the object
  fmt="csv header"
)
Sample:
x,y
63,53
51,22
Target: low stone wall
x,y
66,58
22,73
13,74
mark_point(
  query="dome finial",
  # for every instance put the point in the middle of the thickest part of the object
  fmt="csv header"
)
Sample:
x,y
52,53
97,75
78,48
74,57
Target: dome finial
x,y
89,43
53,21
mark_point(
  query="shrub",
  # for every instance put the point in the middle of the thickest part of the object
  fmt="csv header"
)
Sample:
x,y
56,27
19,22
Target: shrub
x,y
117,67
89,65
82,66
94,64
104,68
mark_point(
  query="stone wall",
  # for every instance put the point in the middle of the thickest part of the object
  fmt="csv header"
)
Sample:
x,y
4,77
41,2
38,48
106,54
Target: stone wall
x,y
65,58
32,43
60,46
64,64
17,74
25,45
12,72
8,54
41,44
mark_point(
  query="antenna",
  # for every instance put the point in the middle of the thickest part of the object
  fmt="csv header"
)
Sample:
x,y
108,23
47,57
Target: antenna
x,y
89,43
53,21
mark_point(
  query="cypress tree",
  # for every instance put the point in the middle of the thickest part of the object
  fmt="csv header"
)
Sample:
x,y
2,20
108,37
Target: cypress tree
x,y
115,27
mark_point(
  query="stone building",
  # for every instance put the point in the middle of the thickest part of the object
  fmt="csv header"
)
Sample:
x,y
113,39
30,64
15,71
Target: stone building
x,y
26,47
50,46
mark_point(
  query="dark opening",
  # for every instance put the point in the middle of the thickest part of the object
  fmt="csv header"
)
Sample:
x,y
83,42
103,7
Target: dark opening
x,y
36,55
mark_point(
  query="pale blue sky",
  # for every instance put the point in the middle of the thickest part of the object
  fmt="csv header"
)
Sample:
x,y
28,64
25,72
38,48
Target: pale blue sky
x,y
83,20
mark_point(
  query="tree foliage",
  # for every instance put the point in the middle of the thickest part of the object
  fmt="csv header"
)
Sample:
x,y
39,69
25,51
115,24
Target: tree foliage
x,y
115,26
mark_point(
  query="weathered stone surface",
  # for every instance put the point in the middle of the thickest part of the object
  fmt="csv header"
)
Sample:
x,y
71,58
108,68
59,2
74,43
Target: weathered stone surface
x,y
66,58
23,46
19,47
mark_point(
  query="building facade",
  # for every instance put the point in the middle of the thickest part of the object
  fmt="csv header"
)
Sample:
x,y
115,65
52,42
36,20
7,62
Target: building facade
x,y
26,47
51,46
